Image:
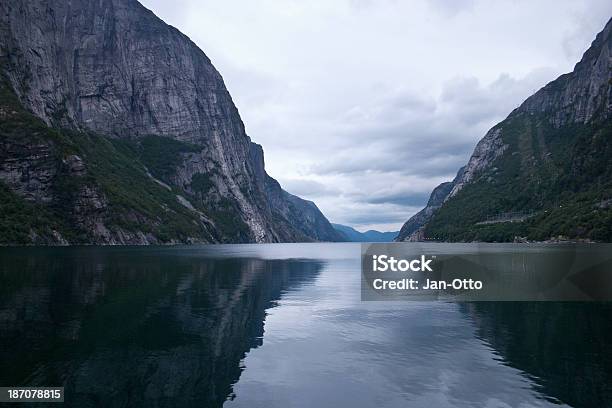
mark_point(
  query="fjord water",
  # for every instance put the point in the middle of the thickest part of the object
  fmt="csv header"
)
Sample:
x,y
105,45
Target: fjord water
x,y
280,326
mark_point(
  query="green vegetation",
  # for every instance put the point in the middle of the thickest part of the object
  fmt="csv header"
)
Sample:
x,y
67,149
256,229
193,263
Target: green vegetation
x,y
129,198
19,219
137,202
228,223
561,174
162,155
201,183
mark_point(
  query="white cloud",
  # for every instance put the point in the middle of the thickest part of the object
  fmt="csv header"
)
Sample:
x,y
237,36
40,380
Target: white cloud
x,y
364,106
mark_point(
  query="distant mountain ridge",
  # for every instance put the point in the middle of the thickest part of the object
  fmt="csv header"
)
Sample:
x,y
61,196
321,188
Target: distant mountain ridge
x,y
117,129
550,161
352,235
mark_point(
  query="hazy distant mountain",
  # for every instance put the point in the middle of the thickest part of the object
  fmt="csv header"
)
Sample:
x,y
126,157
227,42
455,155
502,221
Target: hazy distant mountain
x,y
543,172
115,128
352,235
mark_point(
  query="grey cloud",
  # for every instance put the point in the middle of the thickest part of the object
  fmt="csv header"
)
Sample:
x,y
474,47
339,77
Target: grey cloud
x,y
586,24
421,160
451,7
473,103
409,199
309,188
364,217
439,138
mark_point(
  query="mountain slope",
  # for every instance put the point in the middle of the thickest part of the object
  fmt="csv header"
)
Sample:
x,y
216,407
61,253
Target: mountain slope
x,y
413,228
543,172
352,235
117,83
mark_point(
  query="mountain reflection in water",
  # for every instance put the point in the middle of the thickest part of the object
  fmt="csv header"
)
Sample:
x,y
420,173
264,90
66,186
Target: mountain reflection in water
x,y
135,327
279,326
564,347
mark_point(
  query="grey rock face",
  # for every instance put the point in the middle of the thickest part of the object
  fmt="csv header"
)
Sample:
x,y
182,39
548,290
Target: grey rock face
x,y
582,95
113,67
29,169
487,150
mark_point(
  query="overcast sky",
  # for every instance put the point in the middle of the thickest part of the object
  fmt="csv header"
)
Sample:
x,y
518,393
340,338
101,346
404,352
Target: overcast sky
x,y
363,106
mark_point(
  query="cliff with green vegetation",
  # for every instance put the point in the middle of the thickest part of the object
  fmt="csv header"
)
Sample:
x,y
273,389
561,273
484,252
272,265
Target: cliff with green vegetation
x,y
544,173
117,129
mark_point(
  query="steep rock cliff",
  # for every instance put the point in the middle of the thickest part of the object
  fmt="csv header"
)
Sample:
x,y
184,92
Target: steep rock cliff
x,y
111,70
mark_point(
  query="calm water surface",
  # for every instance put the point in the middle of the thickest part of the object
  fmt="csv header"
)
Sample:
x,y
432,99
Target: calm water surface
x,y
280,326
